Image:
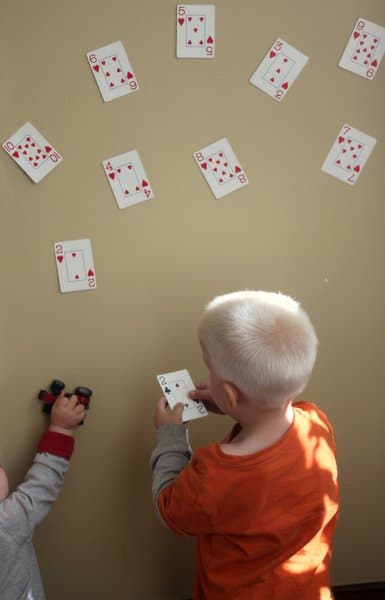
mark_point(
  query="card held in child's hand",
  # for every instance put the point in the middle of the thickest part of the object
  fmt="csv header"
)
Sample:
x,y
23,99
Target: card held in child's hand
x,y
176,386
75,265
221,168
195,31
128,179
279,69
32,152
112,71
364,50
349,154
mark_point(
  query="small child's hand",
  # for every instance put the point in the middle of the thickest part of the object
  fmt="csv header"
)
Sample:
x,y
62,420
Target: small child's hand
x,y
165,416
202,393
66,414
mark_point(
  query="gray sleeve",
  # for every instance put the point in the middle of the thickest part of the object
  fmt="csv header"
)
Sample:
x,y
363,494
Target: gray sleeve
x,y
22,510
171,455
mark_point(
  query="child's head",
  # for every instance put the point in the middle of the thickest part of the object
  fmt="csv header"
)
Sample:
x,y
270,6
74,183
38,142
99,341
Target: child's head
x,y
261,342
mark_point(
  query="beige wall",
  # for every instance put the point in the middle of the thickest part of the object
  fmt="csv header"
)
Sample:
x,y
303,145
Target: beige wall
x,y
292,229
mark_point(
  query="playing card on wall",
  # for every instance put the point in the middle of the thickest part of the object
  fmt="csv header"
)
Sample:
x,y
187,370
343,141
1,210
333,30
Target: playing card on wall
x,y
364,50
195,35
112,71
349,154
279,69
221,168
32,152
176,386
128,179
75,265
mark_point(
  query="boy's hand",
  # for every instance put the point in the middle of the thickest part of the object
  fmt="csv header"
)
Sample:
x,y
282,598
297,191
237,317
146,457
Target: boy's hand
x,y
66,413
202,393
165,416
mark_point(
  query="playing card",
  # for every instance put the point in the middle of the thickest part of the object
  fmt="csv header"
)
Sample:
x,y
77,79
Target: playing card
x,y
195,35
279,69
128,179
176,387
364,50
349,154
75,265
112,71
32,152
221,168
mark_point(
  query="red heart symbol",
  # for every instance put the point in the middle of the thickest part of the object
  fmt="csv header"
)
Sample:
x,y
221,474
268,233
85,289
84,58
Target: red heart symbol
x,y
354,155
118,70
189,42
74,254
38,150
126,192
111,84
195,29
285,60
221,154
231,175
60,258
90,273
365,62
108,74
374,63
76,276
144,183
338,162
44,156
341,139
33,145
204,165
210,40
215,169
375,41
278,70
356,35
221,181
19,146
189,18
181,21
103,62
35,164
137,188
122,81
238,169
201,19
48,149
24,152
271,78
111,175
129,75
357,169
365,35
96,68
344,150
201,43
210,159
30,158
360,145
129,167
272,54
355,57
28,139
16,154
285,85
119,170
114,58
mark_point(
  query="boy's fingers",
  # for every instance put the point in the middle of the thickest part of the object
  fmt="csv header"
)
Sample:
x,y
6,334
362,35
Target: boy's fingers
x,y
199,394
72,402
202,385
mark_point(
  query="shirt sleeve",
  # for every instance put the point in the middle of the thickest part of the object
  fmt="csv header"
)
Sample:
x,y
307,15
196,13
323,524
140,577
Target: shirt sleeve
x,y
23,509
178,485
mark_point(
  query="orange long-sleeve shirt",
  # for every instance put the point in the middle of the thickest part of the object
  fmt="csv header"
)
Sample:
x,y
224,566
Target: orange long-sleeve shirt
x,y
264,522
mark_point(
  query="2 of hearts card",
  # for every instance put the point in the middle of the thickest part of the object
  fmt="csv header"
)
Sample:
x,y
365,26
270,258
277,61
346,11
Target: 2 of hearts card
x,y
75,265
221,168
112,71
32,152
176,386
364,50
279,69
349,154
128,179
195,31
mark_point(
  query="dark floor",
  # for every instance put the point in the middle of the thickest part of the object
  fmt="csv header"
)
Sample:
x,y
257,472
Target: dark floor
x,y
367,595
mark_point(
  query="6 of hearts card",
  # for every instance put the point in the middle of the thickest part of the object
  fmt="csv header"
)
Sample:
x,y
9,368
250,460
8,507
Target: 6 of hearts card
x,y
112,71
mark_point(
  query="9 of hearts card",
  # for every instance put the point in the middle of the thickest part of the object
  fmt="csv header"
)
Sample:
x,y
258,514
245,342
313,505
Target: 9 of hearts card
x,y
349,154
128,179
221,168
195,31
279,69
75,265
112,71
364,50
32,152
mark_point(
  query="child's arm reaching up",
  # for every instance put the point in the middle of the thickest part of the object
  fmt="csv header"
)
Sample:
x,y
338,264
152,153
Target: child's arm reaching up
x,y
23,509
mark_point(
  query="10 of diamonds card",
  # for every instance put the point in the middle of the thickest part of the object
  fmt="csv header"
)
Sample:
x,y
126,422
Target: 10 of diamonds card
x,y
349,154
128,179
221,168
279,69
364,50
32,152
195,31
112,71
75,265
176,386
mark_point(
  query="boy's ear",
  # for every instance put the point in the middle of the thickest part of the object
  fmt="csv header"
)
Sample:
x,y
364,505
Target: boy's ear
x,y
233,395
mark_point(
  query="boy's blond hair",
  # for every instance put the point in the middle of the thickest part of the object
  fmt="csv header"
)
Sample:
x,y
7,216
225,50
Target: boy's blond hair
x,y
262,342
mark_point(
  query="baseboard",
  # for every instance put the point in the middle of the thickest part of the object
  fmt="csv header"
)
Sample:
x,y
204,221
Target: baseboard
x,y
360,587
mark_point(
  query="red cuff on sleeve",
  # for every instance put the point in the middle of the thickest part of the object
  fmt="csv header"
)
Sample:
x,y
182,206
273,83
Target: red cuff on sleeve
x,y
58,444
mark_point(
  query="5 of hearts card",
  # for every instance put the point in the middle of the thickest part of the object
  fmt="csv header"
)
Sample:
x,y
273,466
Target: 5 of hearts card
x,y
195,31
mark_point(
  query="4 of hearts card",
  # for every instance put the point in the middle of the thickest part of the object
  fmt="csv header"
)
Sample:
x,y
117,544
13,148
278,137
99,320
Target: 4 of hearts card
x,y
364,50
75,265
349,154
32,152
112,71
176,386
195,31
128,179
221,168
279,69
